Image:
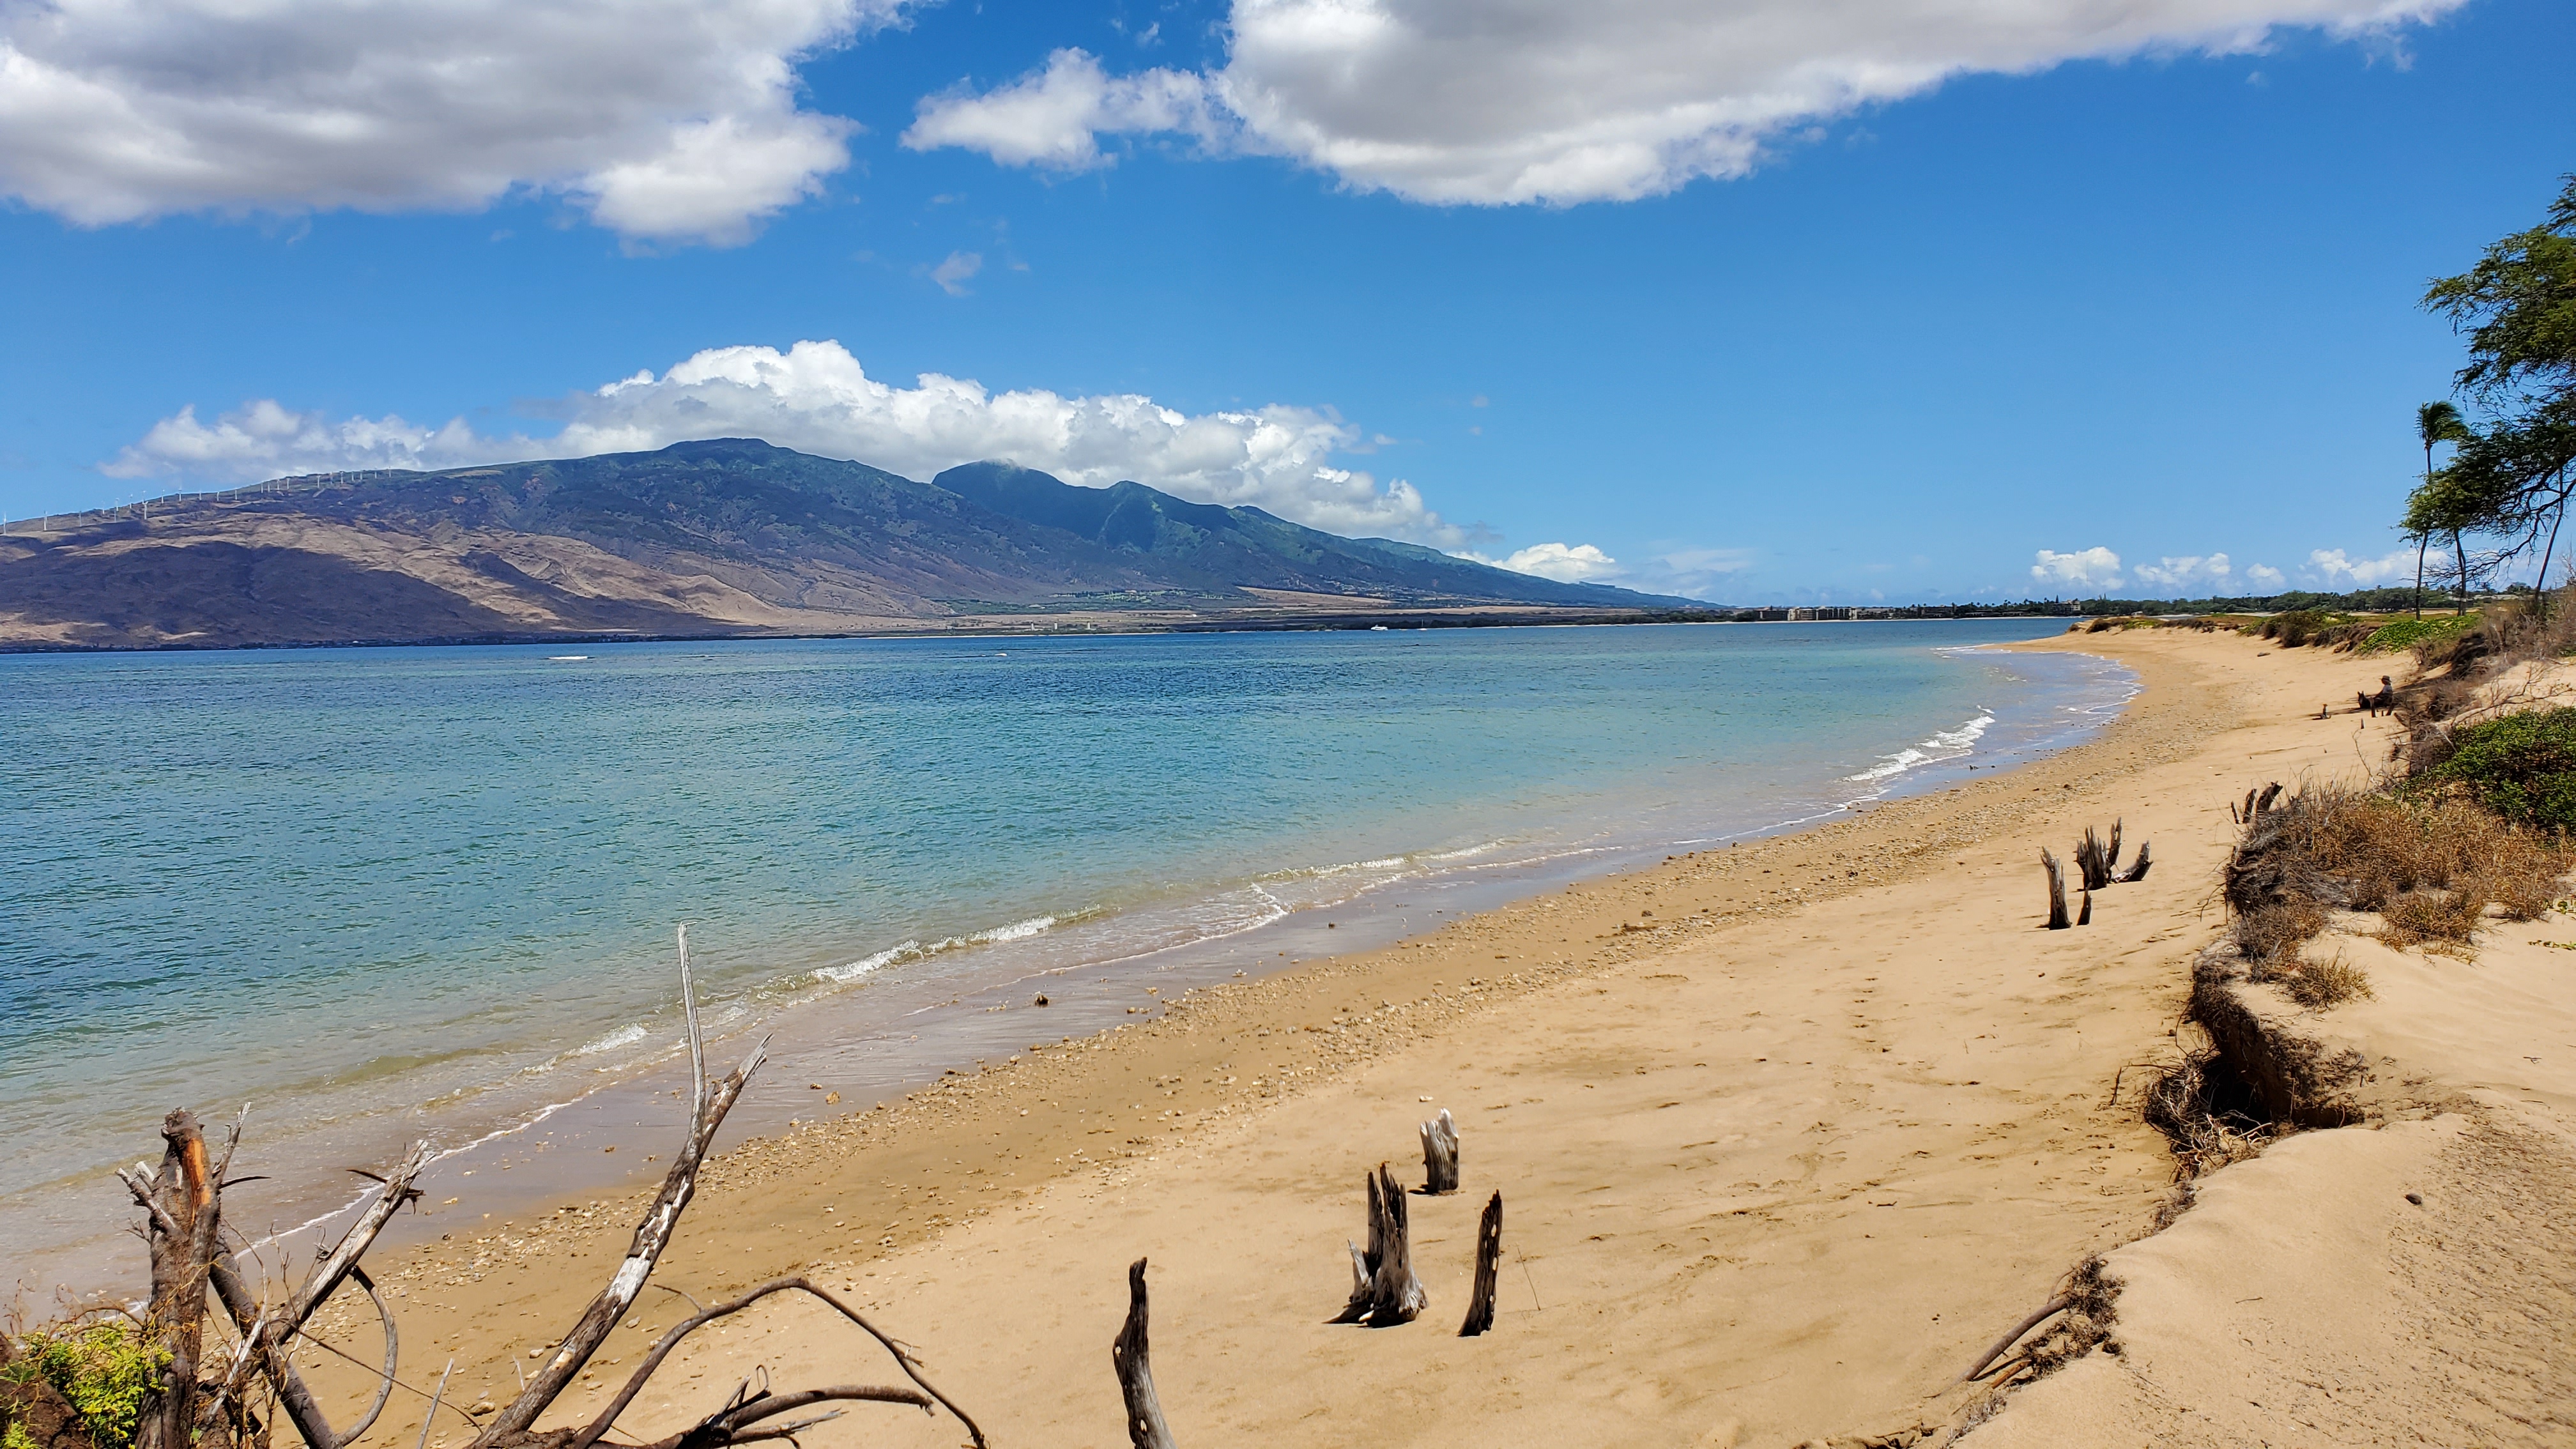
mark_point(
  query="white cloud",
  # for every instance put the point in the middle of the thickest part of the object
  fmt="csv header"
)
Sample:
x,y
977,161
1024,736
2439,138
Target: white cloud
x,y
1695,572
1575,564
2092,568
952,274
1468,101
2191,571
263,440
2333,566
1054,116
665,120
2266,576
816,398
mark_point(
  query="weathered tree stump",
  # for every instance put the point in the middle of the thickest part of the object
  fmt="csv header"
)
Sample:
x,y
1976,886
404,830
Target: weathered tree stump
x,y
2137,870
1384,1290
1489,1263
1145,1426
1440,1154
2085,916
2096,861
2057,919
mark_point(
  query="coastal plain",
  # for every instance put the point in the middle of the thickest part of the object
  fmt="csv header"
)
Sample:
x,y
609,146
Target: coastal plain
x,y
1786,1134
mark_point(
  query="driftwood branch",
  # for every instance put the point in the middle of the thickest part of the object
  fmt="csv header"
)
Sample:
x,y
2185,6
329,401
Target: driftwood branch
x,y
1440,1154
2057,918
343,1257
1127,1353
662,1348
2054,1305
393,1357
733,1424
182,1227
652,1235
1489,1262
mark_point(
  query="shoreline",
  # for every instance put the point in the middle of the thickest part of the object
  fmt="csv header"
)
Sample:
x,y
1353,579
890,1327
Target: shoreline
x,y
599,1140
966,1157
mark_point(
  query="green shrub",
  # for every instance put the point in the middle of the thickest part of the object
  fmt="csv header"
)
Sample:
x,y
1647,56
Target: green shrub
x,y
2294,628
104,1369
2522,767
2407,633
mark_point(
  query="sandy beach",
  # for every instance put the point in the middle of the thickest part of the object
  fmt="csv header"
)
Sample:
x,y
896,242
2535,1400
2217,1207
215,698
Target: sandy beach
x,y
1786,1135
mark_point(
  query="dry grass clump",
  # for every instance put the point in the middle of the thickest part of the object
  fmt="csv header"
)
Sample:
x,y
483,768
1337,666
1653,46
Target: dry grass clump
x,y
2431,918
2430,867
2270,937
2317,985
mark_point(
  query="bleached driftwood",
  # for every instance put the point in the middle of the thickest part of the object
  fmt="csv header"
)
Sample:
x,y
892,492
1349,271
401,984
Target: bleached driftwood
x,y
2057,919
201,1406
1145,1426
1384,1290
1440,1154
1489,1263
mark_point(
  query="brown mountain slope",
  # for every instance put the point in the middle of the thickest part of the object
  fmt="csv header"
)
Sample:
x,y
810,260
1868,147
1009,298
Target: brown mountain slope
x,y
704,539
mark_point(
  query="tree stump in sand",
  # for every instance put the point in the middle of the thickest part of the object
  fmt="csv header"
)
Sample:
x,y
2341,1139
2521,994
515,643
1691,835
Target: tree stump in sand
x,y
2057,920
1384,1291
2137,870
1145,1426
1489,1262
2085,916
1440,1154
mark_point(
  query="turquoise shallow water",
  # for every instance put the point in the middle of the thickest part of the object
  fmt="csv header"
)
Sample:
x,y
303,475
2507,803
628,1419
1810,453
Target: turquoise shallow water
x,y
386,893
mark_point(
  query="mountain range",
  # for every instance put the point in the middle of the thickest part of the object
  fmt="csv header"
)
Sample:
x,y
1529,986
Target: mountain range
x,y
728,537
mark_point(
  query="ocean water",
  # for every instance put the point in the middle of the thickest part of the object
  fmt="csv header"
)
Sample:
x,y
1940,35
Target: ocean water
x,y
397,893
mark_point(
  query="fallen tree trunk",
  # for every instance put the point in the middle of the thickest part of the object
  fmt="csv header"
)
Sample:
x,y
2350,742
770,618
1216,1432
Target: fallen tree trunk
x,y
1127,1353
1489,1263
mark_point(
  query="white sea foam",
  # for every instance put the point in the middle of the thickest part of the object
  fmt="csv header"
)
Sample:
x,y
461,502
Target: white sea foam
x,y
1944,745
627,1035
915,951
1016,931
868,965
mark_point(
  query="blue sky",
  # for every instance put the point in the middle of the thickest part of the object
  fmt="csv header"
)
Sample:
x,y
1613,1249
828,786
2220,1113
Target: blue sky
x,y
1559,284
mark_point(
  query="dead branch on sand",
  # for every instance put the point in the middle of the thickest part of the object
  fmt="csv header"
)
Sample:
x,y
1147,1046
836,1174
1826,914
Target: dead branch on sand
x,y
198,1405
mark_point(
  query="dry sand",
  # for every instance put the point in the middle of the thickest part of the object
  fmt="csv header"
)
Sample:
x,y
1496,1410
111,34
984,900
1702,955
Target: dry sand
x,y
1786,1134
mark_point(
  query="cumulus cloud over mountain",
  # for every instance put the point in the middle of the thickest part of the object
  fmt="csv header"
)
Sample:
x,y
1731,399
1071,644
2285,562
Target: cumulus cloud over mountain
x,y
816,398
1473,102
1580,563
665,120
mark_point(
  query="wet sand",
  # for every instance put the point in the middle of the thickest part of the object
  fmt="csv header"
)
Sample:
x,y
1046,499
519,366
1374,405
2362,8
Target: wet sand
x,y
1786,1134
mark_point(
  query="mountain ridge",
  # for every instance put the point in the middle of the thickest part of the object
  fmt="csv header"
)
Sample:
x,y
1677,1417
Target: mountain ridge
x,y
713,538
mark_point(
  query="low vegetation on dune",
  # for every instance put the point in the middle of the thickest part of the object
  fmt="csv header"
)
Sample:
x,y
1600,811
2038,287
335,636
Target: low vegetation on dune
x,y
2477,825
2521,767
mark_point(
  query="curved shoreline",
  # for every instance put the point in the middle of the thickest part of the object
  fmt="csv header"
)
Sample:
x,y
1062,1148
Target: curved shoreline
x,y
561,1147
914,1173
